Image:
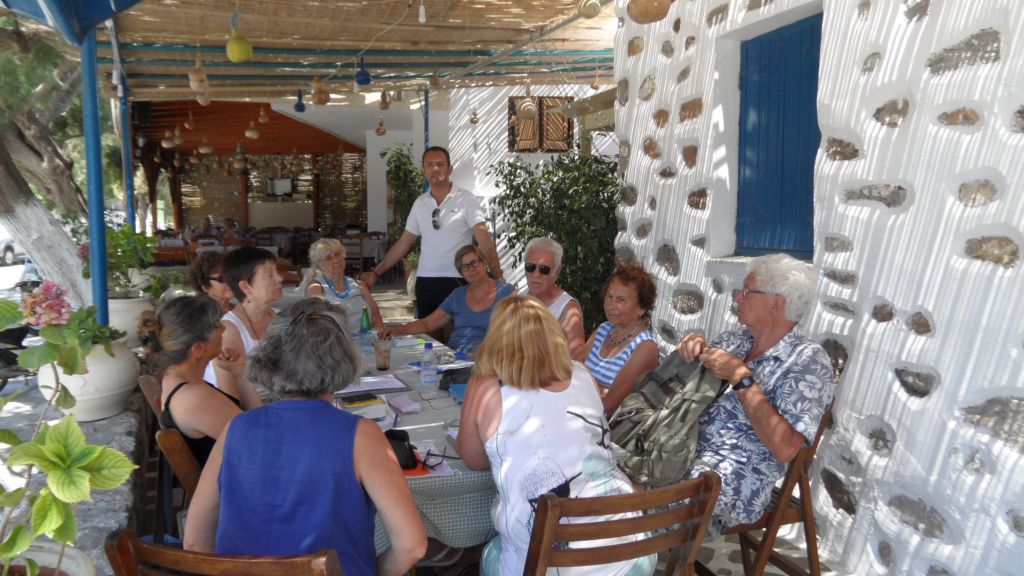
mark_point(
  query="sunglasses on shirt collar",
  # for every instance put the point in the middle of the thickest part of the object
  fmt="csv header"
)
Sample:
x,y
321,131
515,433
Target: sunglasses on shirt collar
x,y
544,268
435,218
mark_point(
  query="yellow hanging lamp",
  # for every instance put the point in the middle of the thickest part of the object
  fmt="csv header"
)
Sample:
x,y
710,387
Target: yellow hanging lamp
x,y
238,48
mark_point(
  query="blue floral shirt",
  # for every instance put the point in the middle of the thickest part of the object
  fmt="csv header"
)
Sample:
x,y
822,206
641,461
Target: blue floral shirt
x,y
796,378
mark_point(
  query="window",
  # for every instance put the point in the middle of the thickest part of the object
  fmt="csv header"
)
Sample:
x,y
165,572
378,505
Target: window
x,y
549,132
778,140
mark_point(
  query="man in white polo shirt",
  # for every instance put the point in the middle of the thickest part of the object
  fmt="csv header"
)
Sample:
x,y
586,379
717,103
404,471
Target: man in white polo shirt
x,y
446,218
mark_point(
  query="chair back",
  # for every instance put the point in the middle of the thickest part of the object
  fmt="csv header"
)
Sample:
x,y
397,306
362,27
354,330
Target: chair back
x,y
183,462
670,518
151,389
130,556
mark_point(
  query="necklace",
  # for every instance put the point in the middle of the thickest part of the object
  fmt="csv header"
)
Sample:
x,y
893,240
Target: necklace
x,y
341,295
252,325
613,342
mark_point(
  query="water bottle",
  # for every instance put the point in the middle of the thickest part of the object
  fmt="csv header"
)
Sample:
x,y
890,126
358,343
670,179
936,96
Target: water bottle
x,y
428,372
365,338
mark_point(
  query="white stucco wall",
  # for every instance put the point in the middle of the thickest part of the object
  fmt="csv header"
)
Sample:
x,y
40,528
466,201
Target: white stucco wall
x,y
935,482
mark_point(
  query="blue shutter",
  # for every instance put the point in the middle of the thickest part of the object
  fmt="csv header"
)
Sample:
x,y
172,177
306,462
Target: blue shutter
x,y
778,139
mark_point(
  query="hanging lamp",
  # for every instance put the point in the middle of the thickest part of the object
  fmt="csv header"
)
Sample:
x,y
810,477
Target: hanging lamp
x,y
190,124
168,141
178,138
197,79
435,79
264,118
239,162
205,147
363,76
385,100
252,132
381,130
238,48
423,13
300,106
203,99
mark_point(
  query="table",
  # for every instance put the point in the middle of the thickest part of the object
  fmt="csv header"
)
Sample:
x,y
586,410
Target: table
x,y
456,509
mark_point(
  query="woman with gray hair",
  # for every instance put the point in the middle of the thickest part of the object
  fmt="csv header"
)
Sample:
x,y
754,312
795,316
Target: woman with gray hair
x,y
326,279
300,475
782,383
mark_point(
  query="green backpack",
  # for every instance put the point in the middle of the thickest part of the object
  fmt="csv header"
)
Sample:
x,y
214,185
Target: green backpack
x,y
655,427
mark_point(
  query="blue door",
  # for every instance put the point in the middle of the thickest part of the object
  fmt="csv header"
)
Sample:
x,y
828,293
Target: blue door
x,y
778,140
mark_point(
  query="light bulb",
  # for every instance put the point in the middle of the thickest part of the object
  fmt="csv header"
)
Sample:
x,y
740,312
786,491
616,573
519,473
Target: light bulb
x,y
423,13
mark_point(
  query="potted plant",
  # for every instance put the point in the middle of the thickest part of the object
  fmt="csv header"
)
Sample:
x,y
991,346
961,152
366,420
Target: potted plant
x,y
406,182
72,467
129,253
571,198
99,369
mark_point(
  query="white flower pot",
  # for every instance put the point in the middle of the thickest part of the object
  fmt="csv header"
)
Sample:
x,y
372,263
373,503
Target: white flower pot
x,y
103,391
75,562
124,315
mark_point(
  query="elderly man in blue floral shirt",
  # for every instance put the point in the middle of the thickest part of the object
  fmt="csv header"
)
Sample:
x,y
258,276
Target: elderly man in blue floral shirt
x,y
782,384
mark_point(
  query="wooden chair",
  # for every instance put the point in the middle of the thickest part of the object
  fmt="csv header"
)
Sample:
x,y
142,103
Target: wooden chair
x,y
785,508
151,389
183,463
130,556
671,518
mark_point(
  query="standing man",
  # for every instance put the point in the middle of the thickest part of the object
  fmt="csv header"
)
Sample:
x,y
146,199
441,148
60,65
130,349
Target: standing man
x,y
446,218
543,268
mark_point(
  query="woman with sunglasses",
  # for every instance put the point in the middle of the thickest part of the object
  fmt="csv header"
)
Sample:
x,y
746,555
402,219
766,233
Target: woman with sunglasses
x,y
543,268
623,349
326,279
469,307
300,475
207,276
533,416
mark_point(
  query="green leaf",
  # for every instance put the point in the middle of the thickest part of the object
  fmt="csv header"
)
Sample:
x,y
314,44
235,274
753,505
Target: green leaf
x,y
38,356
109,469
82,457
47,513
58,334
31,567
9,437
65,440
11,499
68,531
69,484
31,453
5,399
10,313
17,542
65,401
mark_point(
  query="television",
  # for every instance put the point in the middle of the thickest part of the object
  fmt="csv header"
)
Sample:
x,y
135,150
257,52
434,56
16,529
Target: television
x,y
279,187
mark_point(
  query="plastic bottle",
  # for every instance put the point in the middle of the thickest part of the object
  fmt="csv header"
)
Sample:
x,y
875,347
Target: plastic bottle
x,y
428,372
365,338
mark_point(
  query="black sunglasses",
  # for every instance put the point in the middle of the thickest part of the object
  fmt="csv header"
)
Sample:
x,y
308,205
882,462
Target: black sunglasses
x,y
544,268
440,458
434,219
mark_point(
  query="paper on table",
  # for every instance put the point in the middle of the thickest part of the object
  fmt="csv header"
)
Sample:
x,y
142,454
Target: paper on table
x,y
455,365
384,383
406,341
442,469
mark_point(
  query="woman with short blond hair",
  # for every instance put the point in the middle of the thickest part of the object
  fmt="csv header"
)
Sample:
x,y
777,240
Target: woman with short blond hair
x,y
535,418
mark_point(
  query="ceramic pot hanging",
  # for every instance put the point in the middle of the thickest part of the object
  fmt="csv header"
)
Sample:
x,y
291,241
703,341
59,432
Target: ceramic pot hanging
x,y
264,118
589,8
205,147
320,95
475,118
385,100
252,132
238,48
381,130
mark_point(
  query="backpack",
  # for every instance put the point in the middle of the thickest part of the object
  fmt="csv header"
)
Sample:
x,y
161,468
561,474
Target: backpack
x,y
655,427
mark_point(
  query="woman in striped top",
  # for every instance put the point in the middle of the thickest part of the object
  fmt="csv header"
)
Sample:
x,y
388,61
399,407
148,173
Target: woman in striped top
x,y
623,349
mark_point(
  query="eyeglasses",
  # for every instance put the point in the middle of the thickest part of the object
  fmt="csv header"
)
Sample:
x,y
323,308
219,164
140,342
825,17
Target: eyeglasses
x,y
544,268
746,292
470,265
439,458
434,221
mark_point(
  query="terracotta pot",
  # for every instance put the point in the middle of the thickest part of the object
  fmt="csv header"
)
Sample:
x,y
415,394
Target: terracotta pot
x,y
103,391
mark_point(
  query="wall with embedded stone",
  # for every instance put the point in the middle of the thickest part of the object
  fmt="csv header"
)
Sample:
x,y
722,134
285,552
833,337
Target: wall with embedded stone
x,y
919,223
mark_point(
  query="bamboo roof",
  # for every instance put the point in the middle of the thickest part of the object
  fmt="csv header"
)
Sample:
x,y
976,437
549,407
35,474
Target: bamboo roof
x,y
467,42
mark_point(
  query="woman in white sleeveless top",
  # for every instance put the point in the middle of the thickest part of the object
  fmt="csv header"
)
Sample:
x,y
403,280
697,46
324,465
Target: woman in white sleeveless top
x,y
534,417
326,279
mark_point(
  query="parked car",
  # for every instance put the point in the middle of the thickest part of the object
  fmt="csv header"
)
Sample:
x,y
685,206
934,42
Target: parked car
x,y
10,250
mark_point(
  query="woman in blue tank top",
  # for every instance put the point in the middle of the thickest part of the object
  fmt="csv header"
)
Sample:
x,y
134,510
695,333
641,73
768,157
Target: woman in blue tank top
x,y
294,476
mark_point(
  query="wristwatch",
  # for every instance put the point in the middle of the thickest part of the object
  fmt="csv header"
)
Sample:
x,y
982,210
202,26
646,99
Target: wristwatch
x,y
744,383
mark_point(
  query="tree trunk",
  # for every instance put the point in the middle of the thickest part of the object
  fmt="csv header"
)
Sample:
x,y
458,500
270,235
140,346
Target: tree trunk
x,y
51,248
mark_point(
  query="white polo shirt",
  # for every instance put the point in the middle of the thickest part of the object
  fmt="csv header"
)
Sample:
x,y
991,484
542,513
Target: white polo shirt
x,y
459,212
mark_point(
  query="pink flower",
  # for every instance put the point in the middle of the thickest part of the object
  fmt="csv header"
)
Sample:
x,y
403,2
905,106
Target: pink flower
x,y
46,306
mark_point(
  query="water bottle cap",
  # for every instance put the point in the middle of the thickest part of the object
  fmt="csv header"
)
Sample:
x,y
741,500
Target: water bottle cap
x,y
428,346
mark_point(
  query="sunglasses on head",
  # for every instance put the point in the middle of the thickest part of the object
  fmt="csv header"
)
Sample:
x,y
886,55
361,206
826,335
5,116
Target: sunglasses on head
x,y
544,268
434,221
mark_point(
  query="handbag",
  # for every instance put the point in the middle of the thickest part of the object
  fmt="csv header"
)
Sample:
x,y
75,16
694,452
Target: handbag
x,y
403,449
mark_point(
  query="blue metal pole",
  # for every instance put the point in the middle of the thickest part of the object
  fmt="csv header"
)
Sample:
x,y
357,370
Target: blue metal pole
x,y
94,176
127,165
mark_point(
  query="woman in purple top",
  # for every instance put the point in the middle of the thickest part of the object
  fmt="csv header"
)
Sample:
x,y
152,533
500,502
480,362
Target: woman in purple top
x,y
300,475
